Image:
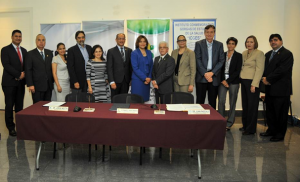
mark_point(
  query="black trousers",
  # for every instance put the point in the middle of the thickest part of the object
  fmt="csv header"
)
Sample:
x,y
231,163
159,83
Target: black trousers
x,y
122,88
41,96
277,109
159,98
212,92
250,103
14,96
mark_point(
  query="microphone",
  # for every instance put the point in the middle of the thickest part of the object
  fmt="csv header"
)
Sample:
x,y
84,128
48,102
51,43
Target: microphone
x,y
76,108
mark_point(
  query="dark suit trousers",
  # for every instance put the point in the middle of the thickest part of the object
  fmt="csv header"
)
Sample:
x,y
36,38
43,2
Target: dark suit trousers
x,y
42,96
277,109
157,96
250,103
14,96
122,88
201,89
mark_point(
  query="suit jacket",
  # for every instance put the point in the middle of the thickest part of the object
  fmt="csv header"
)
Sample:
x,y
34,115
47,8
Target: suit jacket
x,y
163,73
117,69
278,72
253,66
38,71
187,67
76,66
218,59
12,65
234,68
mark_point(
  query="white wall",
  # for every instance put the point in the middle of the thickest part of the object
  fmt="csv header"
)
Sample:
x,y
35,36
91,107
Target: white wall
x,y
238,18
291,42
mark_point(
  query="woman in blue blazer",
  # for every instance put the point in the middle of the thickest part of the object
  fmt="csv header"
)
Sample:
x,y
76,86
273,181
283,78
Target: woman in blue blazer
x,y
142,64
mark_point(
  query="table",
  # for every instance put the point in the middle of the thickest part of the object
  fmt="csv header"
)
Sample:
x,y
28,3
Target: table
x,y
172,130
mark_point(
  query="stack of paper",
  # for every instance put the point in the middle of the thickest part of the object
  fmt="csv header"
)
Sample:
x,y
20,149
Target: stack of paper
x,y
183,107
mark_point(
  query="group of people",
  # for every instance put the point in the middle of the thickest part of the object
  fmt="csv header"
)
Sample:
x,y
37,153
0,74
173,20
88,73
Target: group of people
x,y
214,72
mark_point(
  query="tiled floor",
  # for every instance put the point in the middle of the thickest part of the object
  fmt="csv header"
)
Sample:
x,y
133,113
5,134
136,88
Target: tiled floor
x,y
244,158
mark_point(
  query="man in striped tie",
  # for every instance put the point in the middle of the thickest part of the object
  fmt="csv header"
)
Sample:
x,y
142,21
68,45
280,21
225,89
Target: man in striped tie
x,y
13,58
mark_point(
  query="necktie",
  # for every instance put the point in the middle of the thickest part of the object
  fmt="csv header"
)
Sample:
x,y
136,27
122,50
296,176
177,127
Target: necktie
x,y
43,55
271,57
122,54
160,60
19,54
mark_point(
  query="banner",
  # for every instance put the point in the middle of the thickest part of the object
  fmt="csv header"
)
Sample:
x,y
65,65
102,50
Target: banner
x,y
102,33
192,29
56,33
156,30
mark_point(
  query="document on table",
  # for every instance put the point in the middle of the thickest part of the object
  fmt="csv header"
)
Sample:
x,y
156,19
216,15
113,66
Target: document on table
x,y
183,107
115,106
54,103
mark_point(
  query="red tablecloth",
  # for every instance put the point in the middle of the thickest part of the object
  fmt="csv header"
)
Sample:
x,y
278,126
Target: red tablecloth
x,y
172,130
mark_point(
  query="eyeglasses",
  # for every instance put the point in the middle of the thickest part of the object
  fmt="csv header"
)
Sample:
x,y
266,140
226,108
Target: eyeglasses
x,y
163,47
181,40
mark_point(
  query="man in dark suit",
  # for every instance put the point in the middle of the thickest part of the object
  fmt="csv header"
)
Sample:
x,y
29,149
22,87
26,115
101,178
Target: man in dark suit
x,y
78,56
13,59
162,73
209,61
119,66
278,80
38,71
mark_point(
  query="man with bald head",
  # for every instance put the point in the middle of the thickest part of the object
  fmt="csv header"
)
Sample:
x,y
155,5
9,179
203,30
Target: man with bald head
x,y
38,71
119,66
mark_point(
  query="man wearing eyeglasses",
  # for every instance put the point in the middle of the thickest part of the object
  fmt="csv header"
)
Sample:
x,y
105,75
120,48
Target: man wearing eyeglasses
x,y
162,73
209,61
119,66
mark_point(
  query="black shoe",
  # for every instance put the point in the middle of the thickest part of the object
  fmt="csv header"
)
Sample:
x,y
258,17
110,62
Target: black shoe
x,y
12,132
247,133
276,139
266,134
242,129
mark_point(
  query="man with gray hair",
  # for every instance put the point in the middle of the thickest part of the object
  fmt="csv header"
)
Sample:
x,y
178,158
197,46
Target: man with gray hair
x,y
38,71
162,73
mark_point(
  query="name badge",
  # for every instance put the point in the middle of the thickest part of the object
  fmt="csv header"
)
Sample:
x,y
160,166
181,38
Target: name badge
x,y
58,108
159,112
127,111
199,112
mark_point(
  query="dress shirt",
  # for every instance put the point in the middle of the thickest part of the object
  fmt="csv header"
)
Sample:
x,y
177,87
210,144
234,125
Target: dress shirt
x,y
119,47
84,53
227,65
42,51
17,50
209,49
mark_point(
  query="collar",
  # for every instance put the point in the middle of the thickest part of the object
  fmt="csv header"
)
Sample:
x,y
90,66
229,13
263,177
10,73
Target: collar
x,y
81,46
121,47
41,50
16,46
207,43
163,56
278,49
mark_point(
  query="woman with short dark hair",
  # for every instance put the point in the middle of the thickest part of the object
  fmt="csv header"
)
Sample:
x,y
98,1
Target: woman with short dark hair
x,y
251,74
230,80
185,69
142,64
